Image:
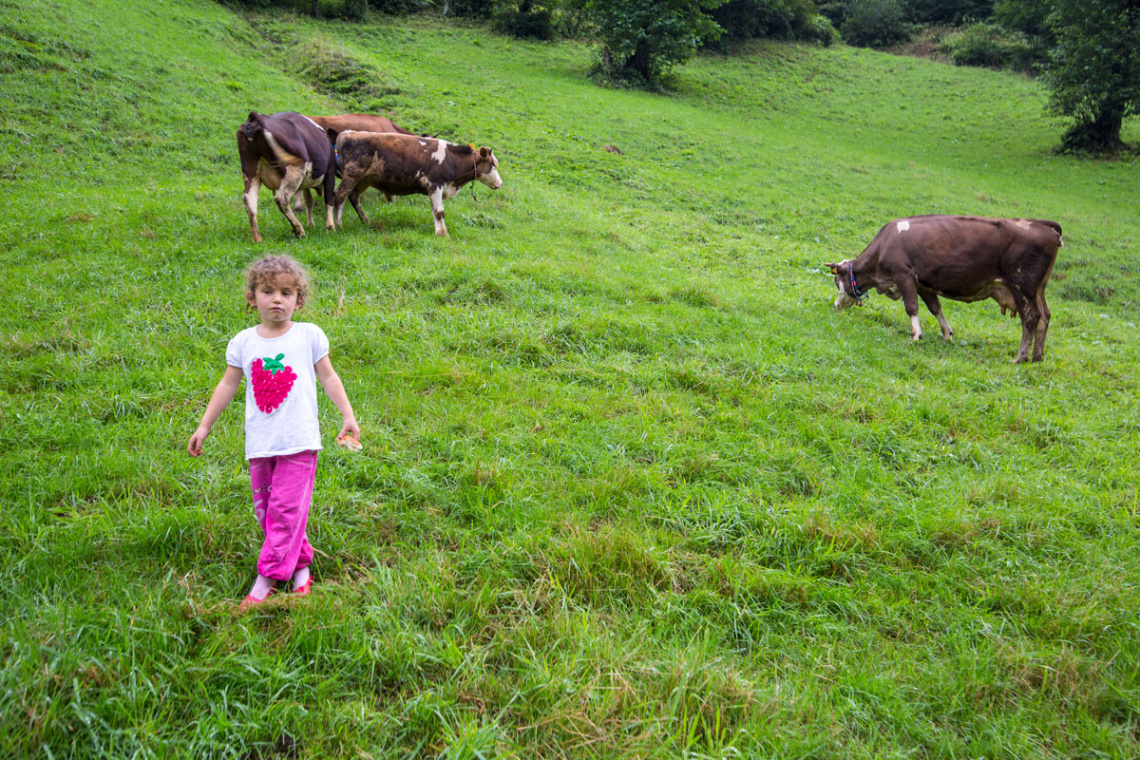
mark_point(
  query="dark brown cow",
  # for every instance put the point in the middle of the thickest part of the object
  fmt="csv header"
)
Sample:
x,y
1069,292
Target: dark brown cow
x,y
397,164
288,152
964,258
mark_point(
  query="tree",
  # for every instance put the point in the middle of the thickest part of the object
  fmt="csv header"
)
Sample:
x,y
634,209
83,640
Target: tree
x,y
1094,70
642,39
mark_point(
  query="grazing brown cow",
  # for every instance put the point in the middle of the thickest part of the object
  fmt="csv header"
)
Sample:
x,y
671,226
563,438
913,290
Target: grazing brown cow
x,y
289,153
397,164
964,258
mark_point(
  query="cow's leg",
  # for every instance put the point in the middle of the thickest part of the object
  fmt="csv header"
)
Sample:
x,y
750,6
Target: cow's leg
x,y
354,198
289,185
437,212
909,291
935,307
1042,327
1030,318
252,190
347,185
308,199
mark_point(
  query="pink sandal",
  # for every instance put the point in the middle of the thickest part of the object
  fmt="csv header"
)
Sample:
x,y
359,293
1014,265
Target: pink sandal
x,y
304,588
252,601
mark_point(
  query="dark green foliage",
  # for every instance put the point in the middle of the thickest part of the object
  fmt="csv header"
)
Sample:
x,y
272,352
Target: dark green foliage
x,y
1030,17
643,39
775,19
779,19
470,8
875,23
525,20
1094,71
991,46
948,11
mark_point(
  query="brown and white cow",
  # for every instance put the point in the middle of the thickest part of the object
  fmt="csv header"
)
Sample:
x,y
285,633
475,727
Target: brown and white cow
x,y
397,164
964,258
288,152
359,122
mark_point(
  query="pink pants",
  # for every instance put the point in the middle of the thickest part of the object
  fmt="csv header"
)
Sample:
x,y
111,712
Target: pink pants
x,y
282,493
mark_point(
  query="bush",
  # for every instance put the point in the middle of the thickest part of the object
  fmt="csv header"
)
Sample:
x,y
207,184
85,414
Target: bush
x,y
778,19
948,11
821,30
481,9
524,20
746,19
875,23
990,46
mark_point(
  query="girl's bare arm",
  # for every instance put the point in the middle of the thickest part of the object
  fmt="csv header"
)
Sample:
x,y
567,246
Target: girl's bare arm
x,y
219,400
334,388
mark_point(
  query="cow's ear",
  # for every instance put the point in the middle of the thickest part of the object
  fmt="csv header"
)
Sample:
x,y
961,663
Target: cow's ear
x,y
833,267
484,152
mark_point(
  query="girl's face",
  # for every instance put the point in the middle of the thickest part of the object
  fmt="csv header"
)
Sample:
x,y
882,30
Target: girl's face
x,y
275,300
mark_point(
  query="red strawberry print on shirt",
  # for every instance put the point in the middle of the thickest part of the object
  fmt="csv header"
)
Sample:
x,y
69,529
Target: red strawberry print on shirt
x,y
272,382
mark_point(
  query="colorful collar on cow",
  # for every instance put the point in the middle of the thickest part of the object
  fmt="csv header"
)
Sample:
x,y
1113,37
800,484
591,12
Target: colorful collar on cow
x,y
859,295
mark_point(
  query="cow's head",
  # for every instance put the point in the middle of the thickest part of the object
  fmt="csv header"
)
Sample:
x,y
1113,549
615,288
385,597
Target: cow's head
x,y
252,125
487,168
842,272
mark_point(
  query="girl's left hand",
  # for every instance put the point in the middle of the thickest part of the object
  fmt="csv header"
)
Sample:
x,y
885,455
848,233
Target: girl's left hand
x,y
350,427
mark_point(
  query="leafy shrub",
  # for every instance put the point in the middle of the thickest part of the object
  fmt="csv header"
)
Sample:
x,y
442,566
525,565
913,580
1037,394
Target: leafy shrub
x,y
778,19
524,20
746,19
820,29
990,46
470,8
948,11
875,23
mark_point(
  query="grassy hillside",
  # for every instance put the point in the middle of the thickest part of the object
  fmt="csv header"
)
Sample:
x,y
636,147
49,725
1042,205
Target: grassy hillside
x,y
630,486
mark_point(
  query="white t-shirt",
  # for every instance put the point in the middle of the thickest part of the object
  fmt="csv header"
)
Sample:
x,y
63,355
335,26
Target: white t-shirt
x,y
280,388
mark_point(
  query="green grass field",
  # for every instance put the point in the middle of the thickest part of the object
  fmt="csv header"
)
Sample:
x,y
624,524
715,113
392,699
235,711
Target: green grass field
x,y
630,487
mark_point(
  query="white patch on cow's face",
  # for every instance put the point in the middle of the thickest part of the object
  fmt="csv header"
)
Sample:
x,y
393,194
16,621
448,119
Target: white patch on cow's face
x,y
904,225
843,300
492,179
440,152
423,142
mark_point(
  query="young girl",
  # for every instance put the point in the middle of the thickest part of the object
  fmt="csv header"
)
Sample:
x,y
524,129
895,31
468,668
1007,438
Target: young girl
x,y
281,361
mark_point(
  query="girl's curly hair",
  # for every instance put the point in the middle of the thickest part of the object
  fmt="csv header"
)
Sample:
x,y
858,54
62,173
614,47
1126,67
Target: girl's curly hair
x,y
269,268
